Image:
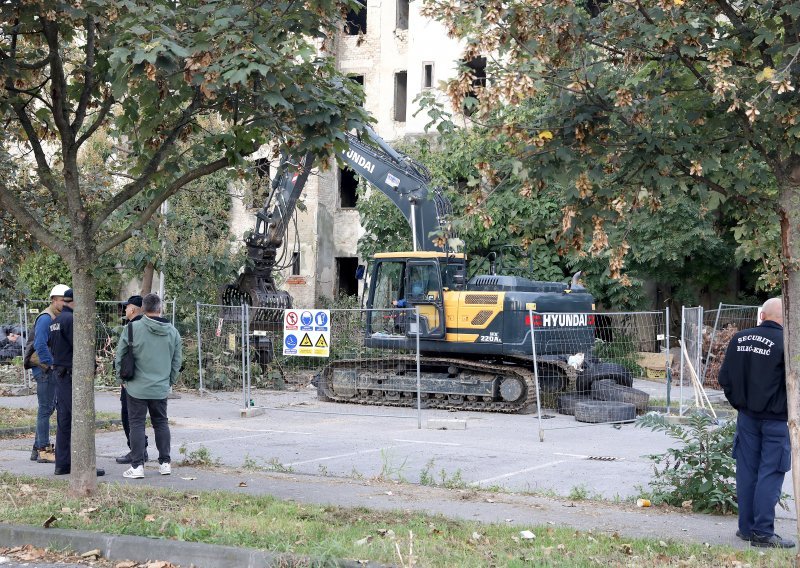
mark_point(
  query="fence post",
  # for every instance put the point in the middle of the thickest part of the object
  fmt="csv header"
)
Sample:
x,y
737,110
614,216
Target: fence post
x,y
419,378
199,349
536,377
244,371
669,366
699,360
682,345
249,394
711,343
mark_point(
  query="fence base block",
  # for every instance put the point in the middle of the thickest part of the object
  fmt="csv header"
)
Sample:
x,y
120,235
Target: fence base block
x,y
22,391
446,424
251,411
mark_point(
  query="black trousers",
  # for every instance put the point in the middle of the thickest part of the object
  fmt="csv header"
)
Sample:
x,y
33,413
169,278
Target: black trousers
x,y
137,413
126,425
63,417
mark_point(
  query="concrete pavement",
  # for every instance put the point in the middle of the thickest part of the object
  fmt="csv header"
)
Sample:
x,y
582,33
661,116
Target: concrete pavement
x,y
345,455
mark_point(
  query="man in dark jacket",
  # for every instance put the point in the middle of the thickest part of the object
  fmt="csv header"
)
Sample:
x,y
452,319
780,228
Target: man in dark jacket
x,y
753,376
61,350
133,312
10,346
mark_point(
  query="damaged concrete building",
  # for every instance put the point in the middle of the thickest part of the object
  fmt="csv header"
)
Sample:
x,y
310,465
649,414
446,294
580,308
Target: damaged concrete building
x,y
395,53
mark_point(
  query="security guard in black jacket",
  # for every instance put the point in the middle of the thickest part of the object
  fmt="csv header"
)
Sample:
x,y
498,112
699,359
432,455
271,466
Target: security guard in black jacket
x,y
60,344
753,376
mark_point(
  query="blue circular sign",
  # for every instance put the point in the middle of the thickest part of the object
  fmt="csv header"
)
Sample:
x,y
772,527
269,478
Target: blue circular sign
x,y
321,318
290,341
306,318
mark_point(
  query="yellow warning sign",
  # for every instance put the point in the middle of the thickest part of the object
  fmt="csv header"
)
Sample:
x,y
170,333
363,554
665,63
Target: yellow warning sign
x,y
306,341
321,342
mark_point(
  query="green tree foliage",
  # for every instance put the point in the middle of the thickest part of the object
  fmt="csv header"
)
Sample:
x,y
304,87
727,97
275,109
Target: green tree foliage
x,y
179,91
633,107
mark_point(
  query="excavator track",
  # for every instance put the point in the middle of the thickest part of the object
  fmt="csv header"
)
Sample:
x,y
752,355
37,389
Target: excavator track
x,y
449,384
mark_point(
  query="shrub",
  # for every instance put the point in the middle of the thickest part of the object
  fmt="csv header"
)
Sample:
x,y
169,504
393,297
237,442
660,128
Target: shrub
x,y
702,471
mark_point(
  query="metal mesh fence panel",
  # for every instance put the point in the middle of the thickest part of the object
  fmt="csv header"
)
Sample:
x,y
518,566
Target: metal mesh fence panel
x,y
586,364
692,394
719,326
109,320
12,320
371,360
221,350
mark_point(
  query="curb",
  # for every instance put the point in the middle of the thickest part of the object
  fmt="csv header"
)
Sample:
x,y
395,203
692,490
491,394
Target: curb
x,y
9,432
198,554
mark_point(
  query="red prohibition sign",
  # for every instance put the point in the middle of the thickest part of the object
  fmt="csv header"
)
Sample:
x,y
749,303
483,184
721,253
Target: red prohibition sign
x,y
291,318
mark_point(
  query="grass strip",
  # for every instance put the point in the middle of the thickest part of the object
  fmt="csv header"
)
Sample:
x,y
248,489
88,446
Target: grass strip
x,y
26,417
327,532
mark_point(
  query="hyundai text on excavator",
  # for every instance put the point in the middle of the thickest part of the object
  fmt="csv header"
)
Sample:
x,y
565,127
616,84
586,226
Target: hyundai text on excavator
x,y
474,335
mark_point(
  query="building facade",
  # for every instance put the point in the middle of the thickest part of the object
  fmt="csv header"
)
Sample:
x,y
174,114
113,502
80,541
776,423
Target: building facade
x,y
395,53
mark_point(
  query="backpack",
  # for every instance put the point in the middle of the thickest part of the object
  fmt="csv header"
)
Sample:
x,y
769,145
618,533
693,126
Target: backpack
x,y
30,359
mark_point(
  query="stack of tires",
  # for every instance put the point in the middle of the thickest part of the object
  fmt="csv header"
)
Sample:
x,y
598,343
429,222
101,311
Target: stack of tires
x,y
604,393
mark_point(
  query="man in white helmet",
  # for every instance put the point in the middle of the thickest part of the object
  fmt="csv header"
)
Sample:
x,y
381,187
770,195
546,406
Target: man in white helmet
x,y
45,379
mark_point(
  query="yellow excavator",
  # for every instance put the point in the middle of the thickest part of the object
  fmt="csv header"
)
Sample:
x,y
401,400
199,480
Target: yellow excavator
x,y
474,335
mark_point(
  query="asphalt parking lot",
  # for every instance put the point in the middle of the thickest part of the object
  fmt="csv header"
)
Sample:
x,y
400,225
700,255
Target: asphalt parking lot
x,y
300,434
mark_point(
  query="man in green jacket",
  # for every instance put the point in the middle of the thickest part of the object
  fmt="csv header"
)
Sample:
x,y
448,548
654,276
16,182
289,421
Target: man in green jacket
x,y
156,348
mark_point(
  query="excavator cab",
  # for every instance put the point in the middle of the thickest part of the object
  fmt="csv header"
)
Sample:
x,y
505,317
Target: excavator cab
x,y
403,281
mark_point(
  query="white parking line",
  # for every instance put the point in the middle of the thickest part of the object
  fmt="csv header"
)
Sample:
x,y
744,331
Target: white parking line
x,y
424,442
326,458
513,473
261,433
581,456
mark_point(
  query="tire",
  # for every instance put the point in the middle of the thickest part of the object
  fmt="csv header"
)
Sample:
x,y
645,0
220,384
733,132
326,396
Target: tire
x,y
566,403
613,371
597,411
552,380
609,390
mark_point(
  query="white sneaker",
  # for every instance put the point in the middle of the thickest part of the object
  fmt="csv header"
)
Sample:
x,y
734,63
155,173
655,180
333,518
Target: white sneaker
x,y
134,472
165,468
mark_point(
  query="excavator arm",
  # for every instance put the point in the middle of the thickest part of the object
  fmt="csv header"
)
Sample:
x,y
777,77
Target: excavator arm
x,y
401,179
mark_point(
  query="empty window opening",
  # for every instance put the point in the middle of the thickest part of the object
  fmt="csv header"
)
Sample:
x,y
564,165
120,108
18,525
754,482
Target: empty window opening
x,y
260,183
296,263
346,280
427,75
357,79
348,188
402,14
262,167
356,22
478,66
400,93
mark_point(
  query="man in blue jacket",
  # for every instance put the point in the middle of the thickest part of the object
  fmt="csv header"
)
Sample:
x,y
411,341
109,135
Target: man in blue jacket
x,y
43,374
61,348
753,376
156,348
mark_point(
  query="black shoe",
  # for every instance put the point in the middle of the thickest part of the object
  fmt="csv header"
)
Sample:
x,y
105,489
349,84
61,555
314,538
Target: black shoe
x,y
66,471
741,536
771,541
34,454
128,458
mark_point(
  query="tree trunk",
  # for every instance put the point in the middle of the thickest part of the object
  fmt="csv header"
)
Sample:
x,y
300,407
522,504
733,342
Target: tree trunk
x,y
147,279
790,248
83,479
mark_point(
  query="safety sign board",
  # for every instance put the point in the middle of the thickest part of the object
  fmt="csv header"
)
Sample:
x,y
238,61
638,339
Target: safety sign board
x,y
307,333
